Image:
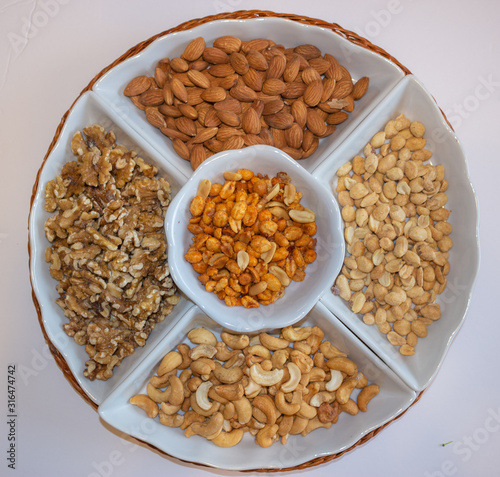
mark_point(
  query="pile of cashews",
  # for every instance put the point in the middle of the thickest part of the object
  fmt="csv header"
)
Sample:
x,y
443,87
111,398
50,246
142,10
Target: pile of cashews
x,y
269,386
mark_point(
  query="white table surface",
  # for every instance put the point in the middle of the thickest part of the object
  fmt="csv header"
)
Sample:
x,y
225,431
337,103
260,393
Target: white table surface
x,y
46,60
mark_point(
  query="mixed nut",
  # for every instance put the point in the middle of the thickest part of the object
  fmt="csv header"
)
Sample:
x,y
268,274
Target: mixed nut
x,y
252,237
271,386
108,249
240,93
397,233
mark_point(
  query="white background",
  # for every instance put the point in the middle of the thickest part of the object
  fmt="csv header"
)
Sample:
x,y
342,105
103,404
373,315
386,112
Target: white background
x,y
450,45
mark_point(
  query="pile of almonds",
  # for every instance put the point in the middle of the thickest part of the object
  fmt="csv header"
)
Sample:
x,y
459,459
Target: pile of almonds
x,y
397,233
240,93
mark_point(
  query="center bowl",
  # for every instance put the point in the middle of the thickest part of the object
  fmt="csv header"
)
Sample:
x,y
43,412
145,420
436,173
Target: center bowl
x,y
299,297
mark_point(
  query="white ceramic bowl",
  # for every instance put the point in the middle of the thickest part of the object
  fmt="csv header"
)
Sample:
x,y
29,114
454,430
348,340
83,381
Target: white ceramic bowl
x,y
359,61
411,98
299,297
88,110
394,398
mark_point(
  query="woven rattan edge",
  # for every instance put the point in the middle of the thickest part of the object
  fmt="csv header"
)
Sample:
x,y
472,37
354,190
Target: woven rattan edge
x,y
237,15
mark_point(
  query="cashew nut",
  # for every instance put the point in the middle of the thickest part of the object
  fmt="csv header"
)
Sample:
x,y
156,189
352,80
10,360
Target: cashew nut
x,y
303,361
286,408
266,436
145,403
315,339
265,403
229,411
202,336
236,360
202,395
259,350
231,392
209,429
202,366
313,424
170,361
295,375
202,351
321,397
171,420
227,375
335,380
229,439
252,389
191,416
343,393
307,411
366,395
243,410
177,394
299,424
273,343
235,341
194,404
183,349
223,353
265,378
317,374
299,333
350,407
279,358
343,364
169,409
156,395
329,351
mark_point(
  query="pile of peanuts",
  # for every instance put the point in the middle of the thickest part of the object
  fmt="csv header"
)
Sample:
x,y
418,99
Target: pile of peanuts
x,y
397,234
269,386
252,237
240,93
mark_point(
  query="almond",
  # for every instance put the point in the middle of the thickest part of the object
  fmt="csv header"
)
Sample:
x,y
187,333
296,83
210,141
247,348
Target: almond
x,y
137,103
337,118
178,90
294,90
161,77
168,110
278,136
311,149
360,87
194,96
293,153
342,89
266,136
243,93
151,97
234,142
229,104
328,87
205,134
155,118
253,79
198,79
199,65
225,132
273,107
229,44
137,86
279,120
257,60
213,145
273,86
307,51
179,65
197,156
180,148
320,65
277,65
215,56
291,69
335,71
253,139
229,118
309,75
214,94
315,123
294,136
308,139
255,44
194,49
168,95
221,70
174,133
188,111
251,122
239,62
186,126
211,118
313,93
299,113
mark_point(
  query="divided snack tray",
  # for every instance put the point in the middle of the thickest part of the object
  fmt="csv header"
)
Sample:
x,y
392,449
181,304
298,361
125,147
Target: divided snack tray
x,y
402,379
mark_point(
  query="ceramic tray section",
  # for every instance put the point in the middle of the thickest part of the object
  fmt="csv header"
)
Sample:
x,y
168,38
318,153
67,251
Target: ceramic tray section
x,y
394,398
299,297
411,98
87,111
359,61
